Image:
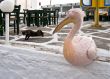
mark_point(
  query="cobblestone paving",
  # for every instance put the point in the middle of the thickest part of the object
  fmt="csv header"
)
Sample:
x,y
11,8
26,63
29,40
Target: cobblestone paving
x,y
101,37
43,57
18,63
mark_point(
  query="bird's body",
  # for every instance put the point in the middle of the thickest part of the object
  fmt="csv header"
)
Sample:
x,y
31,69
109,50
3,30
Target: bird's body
x,y
78,50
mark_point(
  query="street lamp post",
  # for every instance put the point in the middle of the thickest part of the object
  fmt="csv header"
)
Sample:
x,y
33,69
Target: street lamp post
x,y
15,2
97,16
25,4
50,2
7,6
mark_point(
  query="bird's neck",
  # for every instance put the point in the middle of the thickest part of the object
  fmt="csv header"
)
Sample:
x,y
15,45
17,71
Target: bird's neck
x,y
74,30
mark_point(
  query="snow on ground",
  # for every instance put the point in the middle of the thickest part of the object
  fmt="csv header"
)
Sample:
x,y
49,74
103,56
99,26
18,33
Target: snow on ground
x,y
21,63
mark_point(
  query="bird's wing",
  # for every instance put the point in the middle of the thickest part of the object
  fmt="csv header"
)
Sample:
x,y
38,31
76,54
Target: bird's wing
x,y
91,52
81,45
85,45
82,42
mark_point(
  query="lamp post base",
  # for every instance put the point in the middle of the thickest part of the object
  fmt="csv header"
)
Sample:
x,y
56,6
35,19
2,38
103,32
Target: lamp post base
x,y
97,26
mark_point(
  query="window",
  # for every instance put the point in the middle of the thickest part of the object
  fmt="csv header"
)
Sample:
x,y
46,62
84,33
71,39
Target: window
x,y
87,2
107,2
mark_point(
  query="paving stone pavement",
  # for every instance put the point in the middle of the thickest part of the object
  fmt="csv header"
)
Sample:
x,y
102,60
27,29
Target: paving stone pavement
x,y
101,36
20,63
41,57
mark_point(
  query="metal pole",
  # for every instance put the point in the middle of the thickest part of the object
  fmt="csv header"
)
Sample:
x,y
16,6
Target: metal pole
x,y
61,10
97,15
72,6
15,2
50,2
7,28
25,4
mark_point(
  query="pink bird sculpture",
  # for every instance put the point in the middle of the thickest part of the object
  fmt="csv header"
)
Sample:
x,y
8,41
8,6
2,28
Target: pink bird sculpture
x,y
78,50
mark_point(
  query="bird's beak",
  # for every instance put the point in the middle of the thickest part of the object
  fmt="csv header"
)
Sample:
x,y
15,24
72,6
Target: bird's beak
x,y
66,21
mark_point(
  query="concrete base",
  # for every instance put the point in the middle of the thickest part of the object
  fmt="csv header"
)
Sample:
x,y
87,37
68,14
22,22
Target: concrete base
x,y
96,26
